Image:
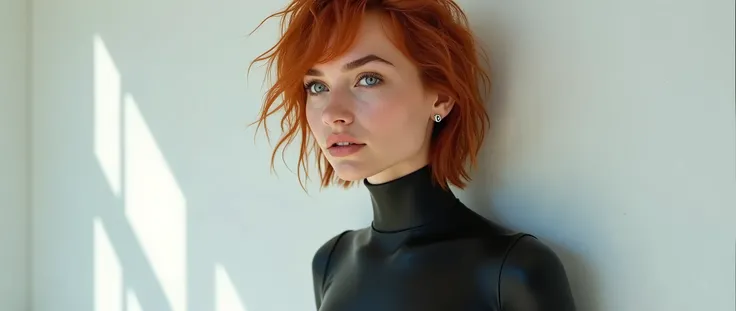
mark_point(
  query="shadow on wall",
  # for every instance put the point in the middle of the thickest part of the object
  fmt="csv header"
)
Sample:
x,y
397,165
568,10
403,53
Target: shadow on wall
x,y
176,186
506,186
144,258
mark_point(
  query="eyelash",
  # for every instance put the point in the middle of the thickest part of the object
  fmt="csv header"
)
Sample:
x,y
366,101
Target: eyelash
x,y
308,85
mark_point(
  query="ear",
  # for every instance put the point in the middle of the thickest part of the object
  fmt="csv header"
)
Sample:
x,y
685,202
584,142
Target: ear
x,y
443,105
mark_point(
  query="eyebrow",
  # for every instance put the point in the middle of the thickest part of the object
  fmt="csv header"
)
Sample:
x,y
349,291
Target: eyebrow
x,y
352,65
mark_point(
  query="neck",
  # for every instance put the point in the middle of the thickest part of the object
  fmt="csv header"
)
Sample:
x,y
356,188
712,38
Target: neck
x,y
409,201
399,170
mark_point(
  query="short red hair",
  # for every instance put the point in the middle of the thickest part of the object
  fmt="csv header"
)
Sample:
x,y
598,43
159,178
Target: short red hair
x,y
433,34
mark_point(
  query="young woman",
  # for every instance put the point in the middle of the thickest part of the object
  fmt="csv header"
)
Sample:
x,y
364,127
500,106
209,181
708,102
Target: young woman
x,y
386,93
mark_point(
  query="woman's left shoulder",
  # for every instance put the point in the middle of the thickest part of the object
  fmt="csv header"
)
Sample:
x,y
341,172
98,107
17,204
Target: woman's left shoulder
x,y
527,251
532,269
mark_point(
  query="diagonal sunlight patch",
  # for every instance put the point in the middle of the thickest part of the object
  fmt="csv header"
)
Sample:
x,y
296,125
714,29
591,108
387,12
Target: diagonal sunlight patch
x,y
226,297
108,272
155,205
131,301
107,115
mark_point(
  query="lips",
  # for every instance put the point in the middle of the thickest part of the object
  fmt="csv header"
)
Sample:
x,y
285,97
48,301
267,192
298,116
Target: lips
x,y
336,140
342,145
344,151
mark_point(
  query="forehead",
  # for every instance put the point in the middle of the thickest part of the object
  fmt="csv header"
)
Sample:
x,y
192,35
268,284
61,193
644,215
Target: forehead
x,y
374,36
373,30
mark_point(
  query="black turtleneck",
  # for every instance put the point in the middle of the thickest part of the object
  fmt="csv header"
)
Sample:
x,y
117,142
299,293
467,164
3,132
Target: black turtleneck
x,y
426,251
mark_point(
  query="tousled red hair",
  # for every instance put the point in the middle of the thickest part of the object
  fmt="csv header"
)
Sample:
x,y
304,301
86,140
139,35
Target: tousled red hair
x,y
433,34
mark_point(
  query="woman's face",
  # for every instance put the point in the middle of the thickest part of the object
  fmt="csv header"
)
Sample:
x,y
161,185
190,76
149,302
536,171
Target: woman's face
x,y
371,97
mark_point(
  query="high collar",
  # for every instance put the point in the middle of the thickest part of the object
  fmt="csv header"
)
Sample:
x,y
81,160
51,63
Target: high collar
x,y
410,201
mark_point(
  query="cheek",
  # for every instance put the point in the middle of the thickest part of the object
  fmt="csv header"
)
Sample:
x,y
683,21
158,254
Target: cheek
x,y
314,120
397,130
392,112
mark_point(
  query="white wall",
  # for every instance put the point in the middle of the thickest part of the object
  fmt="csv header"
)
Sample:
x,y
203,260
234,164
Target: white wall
x,y
616,137
615,143
14,267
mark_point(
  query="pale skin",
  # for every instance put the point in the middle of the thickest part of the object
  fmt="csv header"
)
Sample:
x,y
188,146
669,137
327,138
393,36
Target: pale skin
x,y
380,101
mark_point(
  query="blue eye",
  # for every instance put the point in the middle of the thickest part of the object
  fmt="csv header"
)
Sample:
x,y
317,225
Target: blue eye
x,y
315,88
370,80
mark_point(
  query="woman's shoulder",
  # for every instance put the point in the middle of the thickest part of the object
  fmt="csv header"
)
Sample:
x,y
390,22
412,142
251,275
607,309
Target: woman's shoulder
x,y
532,270
524,268
322,255
519,251
321,262
527,253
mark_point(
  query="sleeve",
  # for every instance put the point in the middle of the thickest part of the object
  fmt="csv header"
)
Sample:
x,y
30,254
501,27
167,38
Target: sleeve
x,y
533,278
320,263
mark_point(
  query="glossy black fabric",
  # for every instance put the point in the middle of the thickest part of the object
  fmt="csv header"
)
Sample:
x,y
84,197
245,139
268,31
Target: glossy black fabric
x,y
426,251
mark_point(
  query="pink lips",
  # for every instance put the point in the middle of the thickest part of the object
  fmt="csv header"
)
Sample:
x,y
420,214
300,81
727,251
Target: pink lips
x,y
343,149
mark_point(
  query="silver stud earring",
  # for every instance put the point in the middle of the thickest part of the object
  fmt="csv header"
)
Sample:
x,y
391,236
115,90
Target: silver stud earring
x,y
437,118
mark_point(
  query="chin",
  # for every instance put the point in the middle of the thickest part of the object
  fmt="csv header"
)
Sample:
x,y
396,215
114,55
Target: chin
x,y
351,171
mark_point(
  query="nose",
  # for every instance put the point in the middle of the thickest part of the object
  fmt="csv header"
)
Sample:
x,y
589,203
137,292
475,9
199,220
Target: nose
x,y
338,111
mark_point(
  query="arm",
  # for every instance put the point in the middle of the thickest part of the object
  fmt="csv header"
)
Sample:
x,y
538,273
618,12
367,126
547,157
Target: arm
x,y
533,278
320,263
